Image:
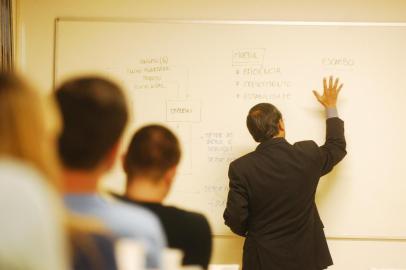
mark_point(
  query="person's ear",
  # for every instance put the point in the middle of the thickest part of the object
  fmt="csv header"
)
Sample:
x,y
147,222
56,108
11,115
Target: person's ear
x,y
170,175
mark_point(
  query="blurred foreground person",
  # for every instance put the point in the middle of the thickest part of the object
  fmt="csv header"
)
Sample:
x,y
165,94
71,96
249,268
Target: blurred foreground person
x,y
32,234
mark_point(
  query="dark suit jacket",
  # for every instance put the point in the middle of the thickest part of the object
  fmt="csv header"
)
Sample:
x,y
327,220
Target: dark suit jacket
x,y
271,201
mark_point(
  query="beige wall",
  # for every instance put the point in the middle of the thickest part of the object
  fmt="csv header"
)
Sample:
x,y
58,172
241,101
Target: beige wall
x,y
34,55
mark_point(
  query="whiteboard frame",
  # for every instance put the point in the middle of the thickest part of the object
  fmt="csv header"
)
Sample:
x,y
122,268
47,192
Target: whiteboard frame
x,y
380,238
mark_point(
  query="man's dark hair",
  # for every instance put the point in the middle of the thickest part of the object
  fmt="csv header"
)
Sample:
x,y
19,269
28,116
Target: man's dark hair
x,y
153,150
94,114
262,121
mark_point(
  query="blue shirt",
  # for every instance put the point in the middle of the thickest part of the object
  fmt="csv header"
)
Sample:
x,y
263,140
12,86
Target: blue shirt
x,y
124,221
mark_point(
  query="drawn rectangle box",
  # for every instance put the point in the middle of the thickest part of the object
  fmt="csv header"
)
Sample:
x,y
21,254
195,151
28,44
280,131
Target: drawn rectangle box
x,y
248,57
183,111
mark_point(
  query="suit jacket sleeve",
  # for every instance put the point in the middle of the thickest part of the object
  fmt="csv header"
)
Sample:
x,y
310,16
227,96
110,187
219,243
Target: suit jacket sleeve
x,y
236,213
334,149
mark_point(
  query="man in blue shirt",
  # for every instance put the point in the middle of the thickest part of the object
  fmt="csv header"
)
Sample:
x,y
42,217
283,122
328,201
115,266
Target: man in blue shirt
x,y
94,116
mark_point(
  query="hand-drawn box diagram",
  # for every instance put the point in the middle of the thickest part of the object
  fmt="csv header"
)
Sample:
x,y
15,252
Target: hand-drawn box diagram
x,y
183,111
248,57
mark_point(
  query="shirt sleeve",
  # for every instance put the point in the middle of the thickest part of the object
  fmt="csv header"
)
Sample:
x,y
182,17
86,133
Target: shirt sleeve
x,y
331,113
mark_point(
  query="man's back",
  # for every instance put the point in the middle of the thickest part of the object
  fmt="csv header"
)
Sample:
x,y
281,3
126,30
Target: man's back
x,y
187,231
281,180
272,201
124,221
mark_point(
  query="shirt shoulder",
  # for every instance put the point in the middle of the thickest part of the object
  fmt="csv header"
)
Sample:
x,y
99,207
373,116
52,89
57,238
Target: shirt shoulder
x,y
192,218
191,223
137,214
33,210
185,227
124,220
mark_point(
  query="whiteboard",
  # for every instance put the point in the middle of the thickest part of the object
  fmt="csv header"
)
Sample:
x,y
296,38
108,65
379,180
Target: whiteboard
x,y
201,78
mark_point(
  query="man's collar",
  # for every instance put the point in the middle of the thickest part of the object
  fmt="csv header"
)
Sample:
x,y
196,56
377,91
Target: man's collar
x,y
270,142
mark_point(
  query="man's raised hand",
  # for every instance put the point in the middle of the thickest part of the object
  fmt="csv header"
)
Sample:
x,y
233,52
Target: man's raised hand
x,y
330,93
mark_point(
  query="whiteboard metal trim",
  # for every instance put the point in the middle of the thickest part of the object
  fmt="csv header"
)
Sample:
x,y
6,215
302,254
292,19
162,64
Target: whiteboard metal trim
x,y
241,22
234,22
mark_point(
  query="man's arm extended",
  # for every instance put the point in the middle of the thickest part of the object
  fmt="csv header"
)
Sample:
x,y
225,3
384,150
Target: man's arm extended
x,y
334,149
236,212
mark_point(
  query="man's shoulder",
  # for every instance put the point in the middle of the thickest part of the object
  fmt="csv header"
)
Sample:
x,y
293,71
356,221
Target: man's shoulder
x,y
243,160
123,219
305,145
309,150
182,214
19,176
131,216
131,210
193,221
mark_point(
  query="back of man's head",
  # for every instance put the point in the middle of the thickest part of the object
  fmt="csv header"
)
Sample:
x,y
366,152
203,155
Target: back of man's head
x,y
153,150
94,113
263,121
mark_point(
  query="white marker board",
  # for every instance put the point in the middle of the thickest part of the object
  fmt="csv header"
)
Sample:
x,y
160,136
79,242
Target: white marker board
x,y
201,78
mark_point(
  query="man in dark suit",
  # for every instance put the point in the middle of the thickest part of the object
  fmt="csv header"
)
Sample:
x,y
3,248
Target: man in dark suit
x,y
271,201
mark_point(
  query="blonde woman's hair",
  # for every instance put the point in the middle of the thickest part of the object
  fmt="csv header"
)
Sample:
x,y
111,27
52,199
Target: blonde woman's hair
x,y
29,126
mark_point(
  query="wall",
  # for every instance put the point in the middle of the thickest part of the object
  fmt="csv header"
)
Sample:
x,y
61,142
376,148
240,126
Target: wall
x,y
34,55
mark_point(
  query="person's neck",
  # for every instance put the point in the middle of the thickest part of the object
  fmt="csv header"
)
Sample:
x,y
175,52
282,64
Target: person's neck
x,y
281,134
81,181
146,190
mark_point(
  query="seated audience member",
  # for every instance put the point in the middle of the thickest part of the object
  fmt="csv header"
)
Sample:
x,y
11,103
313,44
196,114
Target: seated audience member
x,y
32,227
150,165
94,116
